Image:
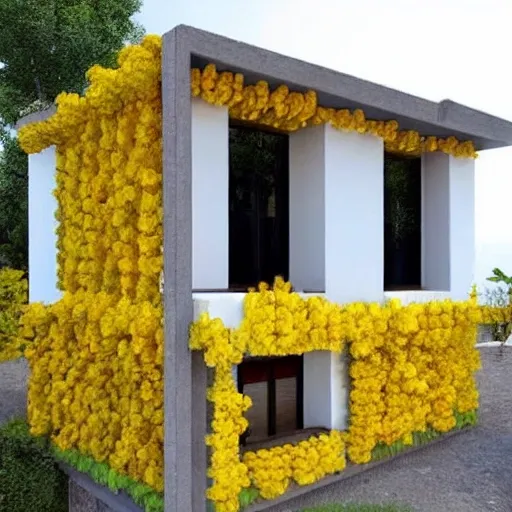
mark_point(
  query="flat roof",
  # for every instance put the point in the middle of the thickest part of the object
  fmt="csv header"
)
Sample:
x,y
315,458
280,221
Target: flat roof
x,y
339,90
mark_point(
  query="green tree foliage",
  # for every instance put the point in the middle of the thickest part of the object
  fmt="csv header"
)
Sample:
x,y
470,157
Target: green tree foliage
x,y
13,203
45,48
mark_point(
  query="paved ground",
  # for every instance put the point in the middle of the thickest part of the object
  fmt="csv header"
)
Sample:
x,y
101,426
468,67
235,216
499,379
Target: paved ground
x,y
471,472
13,395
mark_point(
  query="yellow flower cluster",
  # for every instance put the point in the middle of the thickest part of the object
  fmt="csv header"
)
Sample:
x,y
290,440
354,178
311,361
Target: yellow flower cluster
x,y
134,82
289,111
13,297
229,475
97,377
413,367
277,323
271,471
96,381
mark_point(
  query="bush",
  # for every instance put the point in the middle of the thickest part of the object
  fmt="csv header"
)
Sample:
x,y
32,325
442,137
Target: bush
x,y
13,296
30,479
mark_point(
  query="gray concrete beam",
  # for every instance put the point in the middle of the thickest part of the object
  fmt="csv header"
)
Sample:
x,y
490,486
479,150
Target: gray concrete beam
x,y
339,90
177,289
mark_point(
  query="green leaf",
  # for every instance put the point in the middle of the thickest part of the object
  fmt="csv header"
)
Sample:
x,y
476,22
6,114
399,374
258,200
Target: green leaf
x,y
248,496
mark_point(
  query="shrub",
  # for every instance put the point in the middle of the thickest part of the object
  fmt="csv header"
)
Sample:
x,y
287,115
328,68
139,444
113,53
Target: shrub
x,y
30,479
13,296
500,297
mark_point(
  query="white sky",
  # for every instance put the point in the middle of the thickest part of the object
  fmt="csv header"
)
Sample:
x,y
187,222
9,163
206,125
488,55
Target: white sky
x,y
457,49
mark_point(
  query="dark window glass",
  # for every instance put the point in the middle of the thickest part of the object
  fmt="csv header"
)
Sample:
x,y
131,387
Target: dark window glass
x,y
402,223
258,206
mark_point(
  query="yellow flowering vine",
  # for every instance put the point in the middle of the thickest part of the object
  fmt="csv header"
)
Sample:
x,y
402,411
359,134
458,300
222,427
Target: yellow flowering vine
x,y
272,470
289,111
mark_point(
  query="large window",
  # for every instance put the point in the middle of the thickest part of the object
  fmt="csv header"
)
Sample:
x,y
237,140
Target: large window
x,y
402,223
258,207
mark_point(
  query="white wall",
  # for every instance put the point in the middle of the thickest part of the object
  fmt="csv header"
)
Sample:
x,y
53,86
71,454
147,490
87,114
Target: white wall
x,y
448,224
210,196
42,236
354,216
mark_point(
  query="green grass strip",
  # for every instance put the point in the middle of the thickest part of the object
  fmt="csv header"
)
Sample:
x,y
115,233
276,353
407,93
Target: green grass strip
x,y
383,451
143,495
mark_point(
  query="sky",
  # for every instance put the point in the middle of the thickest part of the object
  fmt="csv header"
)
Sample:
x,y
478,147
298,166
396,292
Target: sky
x,y
456,49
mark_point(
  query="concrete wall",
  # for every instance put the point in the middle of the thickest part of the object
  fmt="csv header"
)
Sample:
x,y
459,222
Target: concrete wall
x,y
42,237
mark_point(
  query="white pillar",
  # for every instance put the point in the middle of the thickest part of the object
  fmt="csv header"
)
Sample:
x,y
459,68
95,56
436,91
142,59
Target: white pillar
x,y
336,244
462,226
210,196
448,224
337,214
307,209
354,217
42,225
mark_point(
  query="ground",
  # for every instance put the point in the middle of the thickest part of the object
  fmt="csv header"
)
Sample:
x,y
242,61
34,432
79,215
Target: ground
x,y
13,395
469,472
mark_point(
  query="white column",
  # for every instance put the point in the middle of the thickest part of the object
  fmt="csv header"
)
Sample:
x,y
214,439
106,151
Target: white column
x,y
435,223
462,226
354,217
307,209
210,196
42,225
336,244
448,224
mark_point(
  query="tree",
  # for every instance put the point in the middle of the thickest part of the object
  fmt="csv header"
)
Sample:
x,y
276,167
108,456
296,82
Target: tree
x,y
45,48
13,203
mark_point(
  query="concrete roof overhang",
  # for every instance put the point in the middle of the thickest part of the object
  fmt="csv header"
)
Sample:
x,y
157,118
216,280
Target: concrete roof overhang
x,y
339,90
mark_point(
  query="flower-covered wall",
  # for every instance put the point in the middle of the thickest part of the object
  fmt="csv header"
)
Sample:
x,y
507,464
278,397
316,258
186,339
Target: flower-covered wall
x,y
96,382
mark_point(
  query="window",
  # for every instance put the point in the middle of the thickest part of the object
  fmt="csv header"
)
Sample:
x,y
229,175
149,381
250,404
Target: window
x,y
402,223
275,385
258,207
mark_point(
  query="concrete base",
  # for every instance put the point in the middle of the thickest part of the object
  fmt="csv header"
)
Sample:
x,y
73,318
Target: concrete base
x,y
81,500
85,495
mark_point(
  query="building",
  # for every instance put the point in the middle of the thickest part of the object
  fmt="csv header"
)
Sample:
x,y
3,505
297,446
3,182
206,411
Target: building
x,y
318,212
